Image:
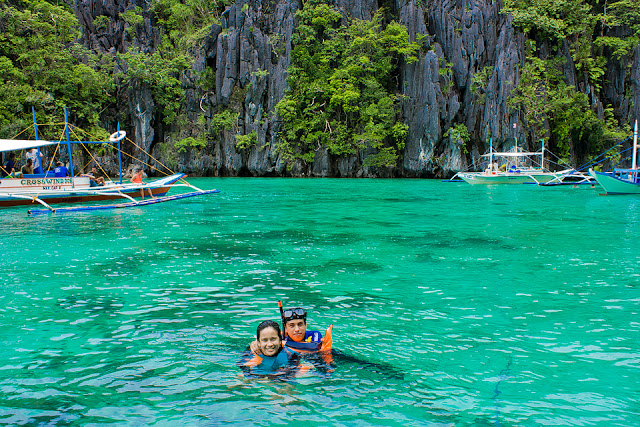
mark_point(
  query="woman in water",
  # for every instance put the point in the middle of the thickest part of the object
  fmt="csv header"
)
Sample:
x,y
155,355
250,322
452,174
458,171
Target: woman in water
x,y
276,359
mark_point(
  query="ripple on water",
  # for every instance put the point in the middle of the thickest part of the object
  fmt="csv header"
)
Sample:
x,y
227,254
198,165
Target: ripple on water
x,y
451,304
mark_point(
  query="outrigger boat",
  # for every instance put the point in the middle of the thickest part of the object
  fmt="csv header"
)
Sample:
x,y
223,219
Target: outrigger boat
x,y
512,167
621,181
47,189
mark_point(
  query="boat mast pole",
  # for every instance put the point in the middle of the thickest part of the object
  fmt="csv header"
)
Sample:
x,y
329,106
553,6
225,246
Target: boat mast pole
x,y
35,127
635,149
35,123
635,145
119,155
515,138
542,156
66,128
490,155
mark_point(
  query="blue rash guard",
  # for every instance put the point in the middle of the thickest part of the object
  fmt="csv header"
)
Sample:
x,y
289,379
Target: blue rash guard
x,y
61,171
283,363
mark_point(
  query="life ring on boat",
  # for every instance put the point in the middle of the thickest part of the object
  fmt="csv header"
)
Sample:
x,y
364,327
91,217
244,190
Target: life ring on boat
x,y
117,136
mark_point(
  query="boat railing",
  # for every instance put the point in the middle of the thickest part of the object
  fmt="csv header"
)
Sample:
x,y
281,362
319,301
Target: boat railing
x,y
631,175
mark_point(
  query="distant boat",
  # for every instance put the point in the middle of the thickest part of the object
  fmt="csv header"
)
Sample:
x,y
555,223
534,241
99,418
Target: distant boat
x,y
47,188
621,181
512,167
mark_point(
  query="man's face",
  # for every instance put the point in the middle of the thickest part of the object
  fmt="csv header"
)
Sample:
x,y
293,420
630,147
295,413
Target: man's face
x,y
296,329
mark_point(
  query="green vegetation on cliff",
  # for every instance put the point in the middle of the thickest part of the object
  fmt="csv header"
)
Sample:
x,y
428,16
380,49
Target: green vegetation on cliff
x,y
342,93
581,30
42,65
344,85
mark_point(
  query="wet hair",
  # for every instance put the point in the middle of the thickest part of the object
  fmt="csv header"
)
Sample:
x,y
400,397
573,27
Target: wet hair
x,y
268,324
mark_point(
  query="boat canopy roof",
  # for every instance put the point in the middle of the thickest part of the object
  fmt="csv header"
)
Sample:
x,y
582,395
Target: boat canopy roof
x,y
23,144
512,154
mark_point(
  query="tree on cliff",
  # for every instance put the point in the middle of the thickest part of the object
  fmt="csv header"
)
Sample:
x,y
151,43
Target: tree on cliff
x,y
341,87
552,108
42,65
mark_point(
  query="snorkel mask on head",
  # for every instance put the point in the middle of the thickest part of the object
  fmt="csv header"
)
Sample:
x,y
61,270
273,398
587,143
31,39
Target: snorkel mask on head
x,y
295,313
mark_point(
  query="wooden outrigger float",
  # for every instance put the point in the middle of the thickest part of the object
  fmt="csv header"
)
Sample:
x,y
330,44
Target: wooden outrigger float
x,y
47,189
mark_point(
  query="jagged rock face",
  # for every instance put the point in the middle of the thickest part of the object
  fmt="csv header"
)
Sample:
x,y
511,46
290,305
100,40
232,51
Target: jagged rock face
x,y
142,110
249,53
111,38
631,110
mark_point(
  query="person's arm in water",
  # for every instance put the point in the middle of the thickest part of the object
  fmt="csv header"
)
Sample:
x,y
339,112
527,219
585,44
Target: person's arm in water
x,y
255,347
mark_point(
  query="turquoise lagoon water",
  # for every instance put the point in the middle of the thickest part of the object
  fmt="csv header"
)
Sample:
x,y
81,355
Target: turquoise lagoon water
x,y
456,304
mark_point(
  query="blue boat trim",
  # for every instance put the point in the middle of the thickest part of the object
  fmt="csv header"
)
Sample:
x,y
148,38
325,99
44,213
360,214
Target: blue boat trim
x,y
122,205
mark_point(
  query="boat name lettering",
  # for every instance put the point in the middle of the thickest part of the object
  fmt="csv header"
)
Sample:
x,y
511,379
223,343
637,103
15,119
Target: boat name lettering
x,y
45,181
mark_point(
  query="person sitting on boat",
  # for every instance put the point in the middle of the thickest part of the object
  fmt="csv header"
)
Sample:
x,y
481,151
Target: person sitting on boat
x,y
9,167
296,334
95,180
491,168
61,171
137,179
27,169
35,159
274,357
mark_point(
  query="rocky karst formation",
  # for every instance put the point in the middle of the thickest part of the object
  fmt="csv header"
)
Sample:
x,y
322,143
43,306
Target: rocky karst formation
x,y
249,53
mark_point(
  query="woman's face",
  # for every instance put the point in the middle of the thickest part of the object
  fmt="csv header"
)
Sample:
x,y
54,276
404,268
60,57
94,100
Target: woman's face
x,y
270,341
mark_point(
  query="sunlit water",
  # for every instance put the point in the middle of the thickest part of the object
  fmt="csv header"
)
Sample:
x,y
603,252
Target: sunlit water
x,y
504,305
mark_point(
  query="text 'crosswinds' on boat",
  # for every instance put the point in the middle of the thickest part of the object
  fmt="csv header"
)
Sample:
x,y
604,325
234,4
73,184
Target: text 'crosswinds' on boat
x,y
62,185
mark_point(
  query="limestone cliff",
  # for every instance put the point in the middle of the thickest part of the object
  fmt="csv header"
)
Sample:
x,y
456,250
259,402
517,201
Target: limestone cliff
x,y
249,53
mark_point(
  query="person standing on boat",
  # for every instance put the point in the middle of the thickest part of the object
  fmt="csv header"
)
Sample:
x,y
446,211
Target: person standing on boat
x,y
296,333
9,167
35,159
137,179
61,170
27,169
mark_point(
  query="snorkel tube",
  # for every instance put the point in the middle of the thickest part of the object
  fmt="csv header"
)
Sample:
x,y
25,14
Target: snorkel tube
x,y
282,317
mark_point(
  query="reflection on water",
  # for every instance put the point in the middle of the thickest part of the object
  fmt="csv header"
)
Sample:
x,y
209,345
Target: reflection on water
x,y
451,305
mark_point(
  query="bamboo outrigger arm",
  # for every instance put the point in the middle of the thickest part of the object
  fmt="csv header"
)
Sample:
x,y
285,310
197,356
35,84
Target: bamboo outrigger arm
x,y
29,197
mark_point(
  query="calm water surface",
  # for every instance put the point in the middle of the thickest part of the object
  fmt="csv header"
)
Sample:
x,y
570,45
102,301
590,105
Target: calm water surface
x,y
507,305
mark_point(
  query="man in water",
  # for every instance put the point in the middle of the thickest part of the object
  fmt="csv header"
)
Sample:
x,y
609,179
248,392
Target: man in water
x,y
295,328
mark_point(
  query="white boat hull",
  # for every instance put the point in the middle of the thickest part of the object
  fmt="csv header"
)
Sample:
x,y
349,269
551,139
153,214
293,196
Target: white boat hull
x,y
18,192
615,185
39,185
505,177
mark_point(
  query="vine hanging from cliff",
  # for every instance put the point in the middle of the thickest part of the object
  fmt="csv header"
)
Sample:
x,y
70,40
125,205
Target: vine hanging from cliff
x,y
341,93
